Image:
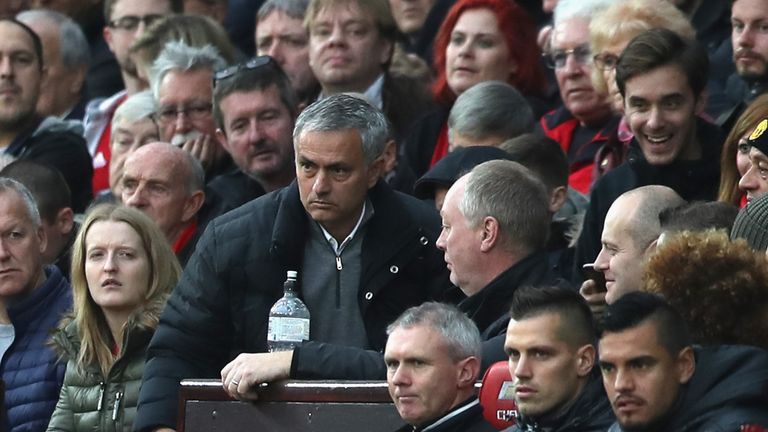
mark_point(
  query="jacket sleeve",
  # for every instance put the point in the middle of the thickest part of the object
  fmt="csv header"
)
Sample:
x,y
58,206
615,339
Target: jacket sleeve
x,y
318,360
63,419
190,340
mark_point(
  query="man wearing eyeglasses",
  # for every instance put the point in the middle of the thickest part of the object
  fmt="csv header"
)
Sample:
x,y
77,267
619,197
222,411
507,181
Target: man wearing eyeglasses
x,y
125,21
182,78
584,122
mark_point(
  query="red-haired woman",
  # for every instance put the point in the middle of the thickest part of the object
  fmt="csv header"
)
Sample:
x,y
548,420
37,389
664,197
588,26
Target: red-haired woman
x,y
479,40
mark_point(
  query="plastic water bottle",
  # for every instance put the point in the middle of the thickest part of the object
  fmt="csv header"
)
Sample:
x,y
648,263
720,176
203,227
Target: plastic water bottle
x,y
288,319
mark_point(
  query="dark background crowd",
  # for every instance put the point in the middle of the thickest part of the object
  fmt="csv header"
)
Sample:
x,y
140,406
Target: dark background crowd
x,y
576,187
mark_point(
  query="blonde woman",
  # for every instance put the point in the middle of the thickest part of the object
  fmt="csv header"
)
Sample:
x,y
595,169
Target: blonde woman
x,y
122,272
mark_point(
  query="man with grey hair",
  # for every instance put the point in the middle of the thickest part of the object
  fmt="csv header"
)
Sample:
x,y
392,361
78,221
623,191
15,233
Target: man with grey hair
x,y
280,34
166,183
433,360
629,237
487,114
584,122
66,55
181,79
33,299
364,254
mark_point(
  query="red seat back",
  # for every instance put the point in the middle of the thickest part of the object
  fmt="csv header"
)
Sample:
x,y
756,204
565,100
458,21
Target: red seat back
x,y
497,396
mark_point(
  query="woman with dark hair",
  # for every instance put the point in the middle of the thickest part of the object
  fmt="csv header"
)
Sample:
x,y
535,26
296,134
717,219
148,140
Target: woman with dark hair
x,y
480,40
122,272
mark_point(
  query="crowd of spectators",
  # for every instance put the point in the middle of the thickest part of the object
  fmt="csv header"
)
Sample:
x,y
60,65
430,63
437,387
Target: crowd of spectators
x,y
576,187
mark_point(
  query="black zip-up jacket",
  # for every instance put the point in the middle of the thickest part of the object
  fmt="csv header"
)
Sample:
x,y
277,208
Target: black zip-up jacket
x,y
590,412
729,389
220,307
692,180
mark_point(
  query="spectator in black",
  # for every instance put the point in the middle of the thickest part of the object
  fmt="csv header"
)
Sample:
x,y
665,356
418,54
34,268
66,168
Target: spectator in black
x,y
26,135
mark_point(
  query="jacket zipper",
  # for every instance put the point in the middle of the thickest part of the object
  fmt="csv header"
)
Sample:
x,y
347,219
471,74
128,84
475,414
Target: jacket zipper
x,y
116,408
339,267
102,387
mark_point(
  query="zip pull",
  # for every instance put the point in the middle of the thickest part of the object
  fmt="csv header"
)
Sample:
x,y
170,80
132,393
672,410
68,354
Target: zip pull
x,y
338,263
101,396
118,398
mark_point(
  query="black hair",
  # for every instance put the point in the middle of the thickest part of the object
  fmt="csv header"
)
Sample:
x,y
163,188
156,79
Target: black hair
x,y
698,216
542,155
45,183
577,322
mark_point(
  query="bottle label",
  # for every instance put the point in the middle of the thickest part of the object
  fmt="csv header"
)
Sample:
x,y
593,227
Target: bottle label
x,y
284,329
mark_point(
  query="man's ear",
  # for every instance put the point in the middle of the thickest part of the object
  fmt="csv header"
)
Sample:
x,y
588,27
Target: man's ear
x,y
390,157
557,198
490,233
65,220
42,238
585,360
221,137
375,171
467,371
701,102
192,205
686,365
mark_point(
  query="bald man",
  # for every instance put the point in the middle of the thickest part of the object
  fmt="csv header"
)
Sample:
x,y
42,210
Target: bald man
x,y
629,236
166,183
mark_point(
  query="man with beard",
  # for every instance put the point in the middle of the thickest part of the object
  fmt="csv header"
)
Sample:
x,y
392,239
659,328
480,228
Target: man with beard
x,y
657,381
750,55
125,21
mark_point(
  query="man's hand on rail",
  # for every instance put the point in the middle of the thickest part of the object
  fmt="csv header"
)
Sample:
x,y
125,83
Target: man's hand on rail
x,y
242,376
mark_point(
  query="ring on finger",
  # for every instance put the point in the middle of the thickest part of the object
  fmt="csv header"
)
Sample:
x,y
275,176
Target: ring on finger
x,y
235,382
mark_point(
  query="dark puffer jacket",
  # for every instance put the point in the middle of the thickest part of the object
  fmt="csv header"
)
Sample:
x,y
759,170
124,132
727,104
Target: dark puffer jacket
x,y
729,389
30,369
90,401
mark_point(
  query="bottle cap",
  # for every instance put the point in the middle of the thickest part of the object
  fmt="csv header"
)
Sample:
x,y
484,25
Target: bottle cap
x,y
293,274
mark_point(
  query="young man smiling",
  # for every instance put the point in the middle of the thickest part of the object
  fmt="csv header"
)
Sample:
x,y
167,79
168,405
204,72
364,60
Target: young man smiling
x,y
662,78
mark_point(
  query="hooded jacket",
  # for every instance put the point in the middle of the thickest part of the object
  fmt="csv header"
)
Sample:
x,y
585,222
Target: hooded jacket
x,y
90,401
728,389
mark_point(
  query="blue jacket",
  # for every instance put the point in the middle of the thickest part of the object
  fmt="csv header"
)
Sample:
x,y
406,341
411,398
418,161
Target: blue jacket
x,y
30,368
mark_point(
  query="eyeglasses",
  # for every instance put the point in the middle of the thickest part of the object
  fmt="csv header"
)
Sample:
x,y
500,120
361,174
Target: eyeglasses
x,y
557,58
198,111
131,22
254,63
606,61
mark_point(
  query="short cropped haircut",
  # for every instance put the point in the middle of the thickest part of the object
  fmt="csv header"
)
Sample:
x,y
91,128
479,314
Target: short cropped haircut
x,y
542,155
643,225
259,79
515,197
491,108
74,51
458,331
45,183
698,216
293,8
11,185
340,112
636,308
577,327
177,6
182,57
662,47
37,44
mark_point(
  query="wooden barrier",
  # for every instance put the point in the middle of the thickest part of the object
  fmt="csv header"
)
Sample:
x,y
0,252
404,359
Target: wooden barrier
x,y
291,406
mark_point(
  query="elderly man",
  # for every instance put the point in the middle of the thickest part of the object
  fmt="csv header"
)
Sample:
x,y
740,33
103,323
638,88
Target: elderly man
x,y
657,381
350,48
584,122
433,360
629,236
255,108
559,390
337,216
182,78
23,133
167,183
33,298
66,56
280,34
662,78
